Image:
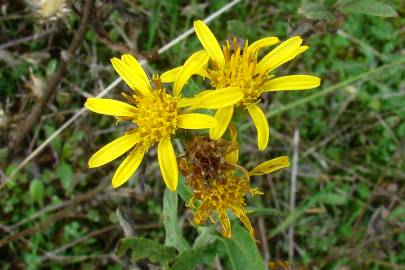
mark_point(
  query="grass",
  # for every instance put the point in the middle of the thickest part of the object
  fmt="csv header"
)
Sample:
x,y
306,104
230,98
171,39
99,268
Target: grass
x,y
350,192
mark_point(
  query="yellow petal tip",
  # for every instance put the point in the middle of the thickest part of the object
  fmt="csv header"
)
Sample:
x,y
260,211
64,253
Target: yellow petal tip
x,y
114,185
91,165
114,60
116,182
198,22
172,188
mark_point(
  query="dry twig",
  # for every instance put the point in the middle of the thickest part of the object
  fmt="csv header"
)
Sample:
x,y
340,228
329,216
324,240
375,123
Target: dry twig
x,y
20,131
293,190
18,41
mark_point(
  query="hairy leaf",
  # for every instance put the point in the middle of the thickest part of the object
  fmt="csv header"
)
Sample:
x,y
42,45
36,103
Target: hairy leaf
x,y
174,237
315,11
369,7
242,250
193,257
142,248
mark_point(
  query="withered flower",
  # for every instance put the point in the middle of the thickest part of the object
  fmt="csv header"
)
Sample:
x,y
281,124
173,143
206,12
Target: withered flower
x,y
218,183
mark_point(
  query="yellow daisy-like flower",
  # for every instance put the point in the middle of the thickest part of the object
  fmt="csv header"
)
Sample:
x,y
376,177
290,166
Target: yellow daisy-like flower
x,y
156,114
218,183
240,67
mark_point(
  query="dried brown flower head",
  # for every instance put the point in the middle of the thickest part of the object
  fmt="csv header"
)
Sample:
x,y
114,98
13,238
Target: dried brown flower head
x,y
218,183
208,159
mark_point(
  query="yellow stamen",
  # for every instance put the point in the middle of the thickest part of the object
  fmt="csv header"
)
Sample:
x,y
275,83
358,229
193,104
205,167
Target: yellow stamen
x,y
155,115
238,71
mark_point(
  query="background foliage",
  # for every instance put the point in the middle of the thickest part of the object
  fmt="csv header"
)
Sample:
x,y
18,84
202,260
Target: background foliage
x,y
349,210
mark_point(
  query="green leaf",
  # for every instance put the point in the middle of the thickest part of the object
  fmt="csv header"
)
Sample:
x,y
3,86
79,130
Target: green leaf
x,y
142,248
32,260
397,214
368,7
3,153
37,190
11,183
184,191
242,250
206,235
193,257
91,36
174,237
263,211
315,11
191,89
363,190
66,176
333,198
52,66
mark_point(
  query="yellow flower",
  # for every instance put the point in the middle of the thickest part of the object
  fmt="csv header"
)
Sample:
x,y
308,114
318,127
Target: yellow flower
x,y
240,67
156,115
218,183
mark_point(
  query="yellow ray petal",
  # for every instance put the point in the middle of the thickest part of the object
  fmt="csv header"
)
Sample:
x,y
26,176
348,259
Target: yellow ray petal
x,y
264,42
128,167
189,69
168,164
134,65
204,92
192,102
209,42
233,133
292,82
132,73
219,98
109,107
203,57
270,166
203,73
113,150
278,55
300,50
223,117
197,56
262,127
171,75
195,121
232,157
186,102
